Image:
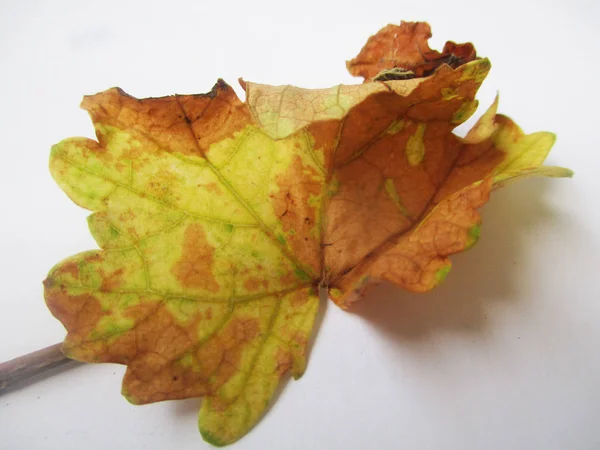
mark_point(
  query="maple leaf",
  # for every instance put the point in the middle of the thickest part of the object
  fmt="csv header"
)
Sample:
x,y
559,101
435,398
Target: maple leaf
x,y
218,220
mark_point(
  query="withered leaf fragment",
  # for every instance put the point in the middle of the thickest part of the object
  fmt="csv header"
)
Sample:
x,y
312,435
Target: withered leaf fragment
x,y
218,220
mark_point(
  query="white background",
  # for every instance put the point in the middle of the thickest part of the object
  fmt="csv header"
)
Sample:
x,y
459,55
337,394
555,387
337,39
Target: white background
x,y
504,355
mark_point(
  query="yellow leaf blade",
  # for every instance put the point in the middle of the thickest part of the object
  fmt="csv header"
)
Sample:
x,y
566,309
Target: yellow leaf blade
x,y
234,409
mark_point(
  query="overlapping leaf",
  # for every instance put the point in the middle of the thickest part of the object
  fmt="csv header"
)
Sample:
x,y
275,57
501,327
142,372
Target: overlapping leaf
x,y
218,220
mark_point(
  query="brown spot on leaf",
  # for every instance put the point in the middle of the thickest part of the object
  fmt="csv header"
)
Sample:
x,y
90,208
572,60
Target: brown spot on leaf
x,y
288,278
219,357
301,342
112,281
95,256
154,349
127,216
324,138
71,268
212,187
254,284
218,404
299,298
78,313
297,215
283,361
194,268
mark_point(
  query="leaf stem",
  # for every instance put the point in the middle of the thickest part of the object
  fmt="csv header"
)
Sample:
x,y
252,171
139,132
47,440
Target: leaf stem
x,y
26,369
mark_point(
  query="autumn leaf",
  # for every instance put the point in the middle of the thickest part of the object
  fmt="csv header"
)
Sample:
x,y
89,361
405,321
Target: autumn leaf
x,y
405,47
218,220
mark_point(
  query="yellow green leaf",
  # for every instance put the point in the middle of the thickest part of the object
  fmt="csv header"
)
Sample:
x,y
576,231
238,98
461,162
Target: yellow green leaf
x,y
218,221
